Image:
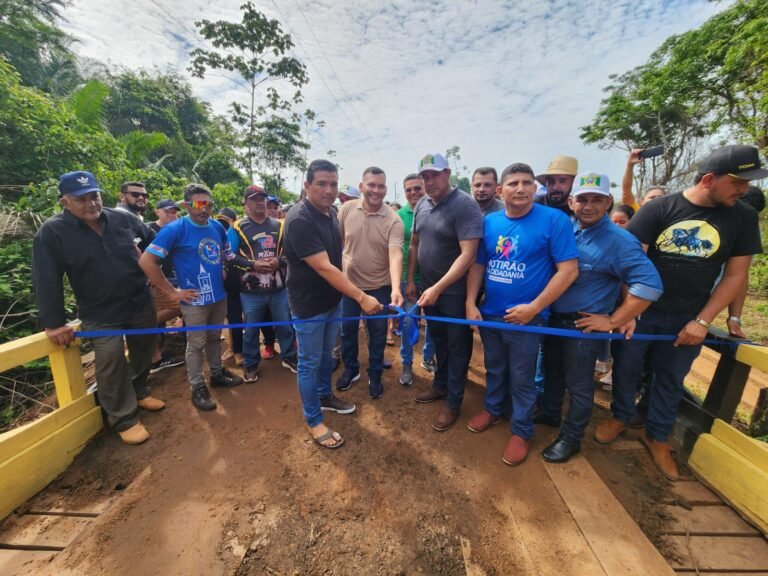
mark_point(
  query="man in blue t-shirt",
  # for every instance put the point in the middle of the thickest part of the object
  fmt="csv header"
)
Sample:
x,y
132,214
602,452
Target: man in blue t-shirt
x,y
198,246
608,257
528,258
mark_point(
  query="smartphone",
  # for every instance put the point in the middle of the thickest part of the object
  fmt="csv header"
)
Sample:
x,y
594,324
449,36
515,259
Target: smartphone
x,y
652,152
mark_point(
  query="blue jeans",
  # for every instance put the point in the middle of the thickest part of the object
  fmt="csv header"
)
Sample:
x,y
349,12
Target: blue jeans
x,y
316,340
406,350
570,363
255,308
510,369
669,366
377,334
453,345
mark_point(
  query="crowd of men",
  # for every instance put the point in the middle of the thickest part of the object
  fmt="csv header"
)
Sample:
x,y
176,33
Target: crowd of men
x,y
525,251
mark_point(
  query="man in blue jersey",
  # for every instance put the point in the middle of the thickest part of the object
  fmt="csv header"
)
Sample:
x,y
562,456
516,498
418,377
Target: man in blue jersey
x,y
198,246
608,257
528,258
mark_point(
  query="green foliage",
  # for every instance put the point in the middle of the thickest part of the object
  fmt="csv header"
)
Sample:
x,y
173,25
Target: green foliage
x,y
88,104
16,317
758,272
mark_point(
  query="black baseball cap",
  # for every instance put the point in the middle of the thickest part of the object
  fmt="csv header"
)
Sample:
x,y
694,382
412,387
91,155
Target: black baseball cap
x,y
166,204
738,160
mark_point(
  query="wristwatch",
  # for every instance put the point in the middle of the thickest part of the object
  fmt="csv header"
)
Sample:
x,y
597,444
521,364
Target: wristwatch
x,y
735,319
702,322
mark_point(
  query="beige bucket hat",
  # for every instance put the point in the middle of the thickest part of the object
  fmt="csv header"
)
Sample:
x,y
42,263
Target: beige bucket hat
x,y
567,165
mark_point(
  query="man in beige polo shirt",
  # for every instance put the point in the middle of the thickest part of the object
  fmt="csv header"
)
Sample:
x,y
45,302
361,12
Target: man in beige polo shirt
x,y
372,235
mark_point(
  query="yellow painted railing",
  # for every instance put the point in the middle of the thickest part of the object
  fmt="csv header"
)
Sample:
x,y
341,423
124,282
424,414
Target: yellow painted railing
x,y
32,455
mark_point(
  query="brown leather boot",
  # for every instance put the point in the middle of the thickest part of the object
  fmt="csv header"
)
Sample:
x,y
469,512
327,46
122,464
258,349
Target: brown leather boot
x,y
446,418
609,430
483,421
662,457
136,434
430,395
151,404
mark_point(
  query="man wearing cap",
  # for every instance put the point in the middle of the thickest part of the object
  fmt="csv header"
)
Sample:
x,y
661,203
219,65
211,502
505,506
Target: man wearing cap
x,y
527,259
558,180
447,226
197,245
485,181
133,198
608,257
372,236
96,248
256,241
348,193
312,242
167,308
273,207
414,191
689,237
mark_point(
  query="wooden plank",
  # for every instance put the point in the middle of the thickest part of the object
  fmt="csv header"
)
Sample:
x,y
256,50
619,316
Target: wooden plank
x,y
15,441
23,350
756,356
695,493
67,370
711,553
706,519
753,450
32,469
616,540
43,530
735,478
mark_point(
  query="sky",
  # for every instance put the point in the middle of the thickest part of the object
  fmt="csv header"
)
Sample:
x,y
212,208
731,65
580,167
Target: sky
x,y
506,81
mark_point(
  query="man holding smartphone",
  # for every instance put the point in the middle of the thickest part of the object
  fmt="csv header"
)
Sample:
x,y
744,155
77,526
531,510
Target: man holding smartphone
x,y
636,156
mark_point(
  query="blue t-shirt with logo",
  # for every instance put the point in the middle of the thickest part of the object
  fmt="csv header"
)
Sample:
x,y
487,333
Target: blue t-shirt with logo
x,y
520,254
197,253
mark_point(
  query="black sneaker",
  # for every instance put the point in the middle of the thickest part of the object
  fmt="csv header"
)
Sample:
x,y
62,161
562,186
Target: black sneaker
x,y
225,379
202,399
375,388
251,374
346,379
429,365
165,362
292,363
333,404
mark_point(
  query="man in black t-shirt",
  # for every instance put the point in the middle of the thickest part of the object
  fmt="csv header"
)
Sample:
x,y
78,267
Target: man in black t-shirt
x,y
689,237
312,246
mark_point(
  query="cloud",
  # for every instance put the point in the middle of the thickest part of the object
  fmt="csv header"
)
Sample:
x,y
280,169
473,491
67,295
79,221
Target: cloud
x,y
505,80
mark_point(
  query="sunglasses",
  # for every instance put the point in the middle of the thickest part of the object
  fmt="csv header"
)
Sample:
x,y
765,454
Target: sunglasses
x,y
139,194
200,204
413,189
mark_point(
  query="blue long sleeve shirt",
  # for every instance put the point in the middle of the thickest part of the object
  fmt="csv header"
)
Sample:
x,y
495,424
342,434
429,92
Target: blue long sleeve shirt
x,y
609,256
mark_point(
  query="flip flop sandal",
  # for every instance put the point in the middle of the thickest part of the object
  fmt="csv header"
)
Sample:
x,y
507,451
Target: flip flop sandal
x,y
328,436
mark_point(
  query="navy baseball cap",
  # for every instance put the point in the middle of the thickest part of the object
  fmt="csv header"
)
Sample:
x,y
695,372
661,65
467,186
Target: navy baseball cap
x,y
78,183
737,160
166,204
254,190
272,198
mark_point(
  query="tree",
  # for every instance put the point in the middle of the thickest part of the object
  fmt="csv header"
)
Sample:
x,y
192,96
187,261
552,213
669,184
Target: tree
x,y
257,50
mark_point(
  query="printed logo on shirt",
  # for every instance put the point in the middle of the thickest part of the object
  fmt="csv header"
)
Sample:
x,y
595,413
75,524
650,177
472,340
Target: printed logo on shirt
x,y
158,249
694,238
210,251
506,247
204,288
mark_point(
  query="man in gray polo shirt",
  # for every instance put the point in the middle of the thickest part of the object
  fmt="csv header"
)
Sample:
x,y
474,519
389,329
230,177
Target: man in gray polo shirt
x,y
447,226
485,181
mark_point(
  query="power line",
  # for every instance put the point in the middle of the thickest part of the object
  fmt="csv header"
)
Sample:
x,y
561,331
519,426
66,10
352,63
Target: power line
x,y
322,79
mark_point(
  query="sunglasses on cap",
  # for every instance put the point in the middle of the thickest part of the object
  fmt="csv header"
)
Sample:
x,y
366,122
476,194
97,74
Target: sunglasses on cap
x,y
200,204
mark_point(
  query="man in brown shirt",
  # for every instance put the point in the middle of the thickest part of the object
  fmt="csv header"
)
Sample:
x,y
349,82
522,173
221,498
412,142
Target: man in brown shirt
x,y
372,235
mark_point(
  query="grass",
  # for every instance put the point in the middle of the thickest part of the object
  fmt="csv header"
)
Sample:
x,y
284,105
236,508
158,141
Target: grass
x,y
754,318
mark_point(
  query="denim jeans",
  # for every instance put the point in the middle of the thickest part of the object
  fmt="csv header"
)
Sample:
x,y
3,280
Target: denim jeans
x,y
316,340
453,347
377,334
406,350
203,342
255,309
570,364
510,369
122,382
669,366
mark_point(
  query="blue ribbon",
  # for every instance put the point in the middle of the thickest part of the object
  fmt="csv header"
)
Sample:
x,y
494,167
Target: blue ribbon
x,y
412,330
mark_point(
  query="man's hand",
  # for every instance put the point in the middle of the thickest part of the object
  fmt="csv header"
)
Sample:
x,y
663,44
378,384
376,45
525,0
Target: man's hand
x,y
397,297
520,314
473,313
734,329
634,156
187,295
61,336
692,334
370,305
266,265
429,297
628,329
594,322
411,291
